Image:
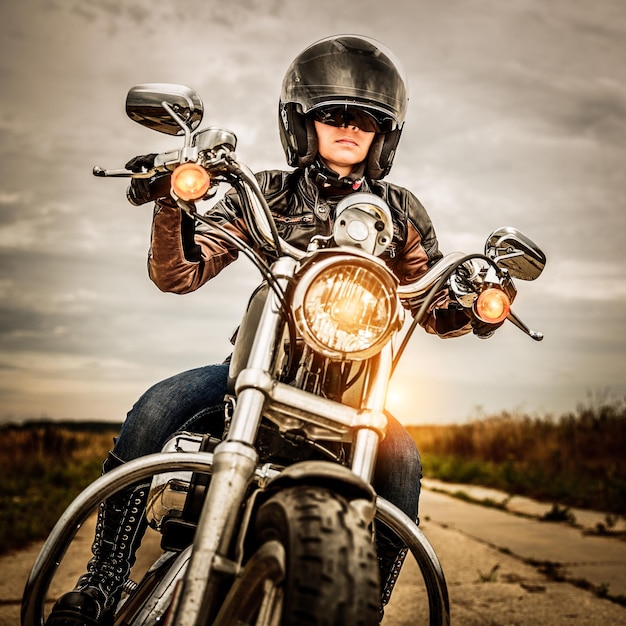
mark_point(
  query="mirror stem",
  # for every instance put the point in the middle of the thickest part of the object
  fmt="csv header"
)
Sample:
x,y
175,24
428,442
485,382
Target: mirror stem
x,y
179,121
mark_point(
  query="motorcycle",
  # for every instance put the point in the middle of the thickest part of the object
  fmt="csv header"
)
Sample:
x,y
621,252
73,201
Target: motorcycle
x,y
275,522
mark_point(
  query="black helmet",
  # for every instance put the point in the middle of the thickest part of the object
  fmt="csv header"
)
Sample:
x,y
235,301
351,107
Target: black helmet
x,y
347,70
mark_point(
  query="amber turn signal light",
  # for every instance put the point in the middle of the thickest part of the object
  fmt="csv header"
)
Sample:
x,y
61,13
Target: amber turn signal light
x,y
492,306
190,181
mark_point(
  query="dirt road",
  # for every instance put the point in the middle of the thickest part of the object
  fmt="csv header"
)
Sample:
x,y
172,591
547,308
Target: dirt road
x,y
488,586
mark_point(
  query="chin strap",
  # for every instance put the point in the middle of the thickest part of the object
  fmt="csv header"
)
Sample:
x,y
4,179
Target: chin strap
x,y
326,178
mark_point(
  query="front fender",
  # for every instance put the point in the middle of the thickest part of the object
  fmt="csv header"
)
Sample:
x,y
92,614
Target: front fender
x,y
333,476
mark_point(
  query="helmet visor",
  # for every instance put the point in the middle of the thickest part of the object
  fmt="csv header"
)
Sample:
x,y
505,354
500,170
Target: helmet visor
x,y
343,115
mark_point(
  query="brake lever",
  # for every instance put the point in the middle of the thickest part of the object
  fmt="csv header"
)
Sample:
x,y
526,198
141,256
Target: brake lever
x,y
122,173
512,317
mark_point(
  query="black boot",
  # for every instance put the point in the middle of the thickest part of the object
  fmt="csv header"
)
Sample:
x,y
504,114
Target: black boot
x,y
119,530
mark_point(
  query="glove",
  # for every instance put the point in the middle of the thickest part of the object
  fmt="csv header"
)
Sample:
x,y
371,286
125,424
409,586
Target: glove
x,y
141,163
482,329
451,319
144,190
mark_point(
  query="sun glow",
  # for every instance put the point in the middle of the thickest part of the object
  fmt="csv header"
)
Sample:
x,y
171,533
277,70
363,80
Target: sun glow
x,y
398,402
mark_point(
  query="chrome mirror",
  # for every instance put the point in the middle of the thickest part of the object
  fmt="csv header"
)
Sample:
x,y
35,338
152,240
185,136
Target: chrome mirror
x,y
515,252
148,105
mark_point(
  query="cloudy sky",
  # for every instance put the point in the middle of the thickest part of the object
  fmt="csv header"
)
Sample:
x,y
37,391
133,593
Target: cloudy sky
x,y
517,117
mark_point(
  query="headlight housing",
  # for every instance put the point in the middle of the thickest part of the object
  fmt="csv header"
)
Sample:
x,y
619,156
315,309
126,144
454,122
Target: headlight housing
x,y
347,306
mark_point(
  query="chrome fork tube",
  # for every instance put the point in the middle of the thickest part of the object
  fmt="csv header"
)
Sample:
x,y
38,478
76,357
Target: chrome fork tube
x,y
250,397
367,439
233,467
234,464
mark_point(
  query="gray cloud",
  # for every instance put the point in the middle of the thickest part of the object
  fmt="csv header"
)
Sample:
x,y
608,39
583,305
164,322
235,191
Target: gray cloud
x,y
517,115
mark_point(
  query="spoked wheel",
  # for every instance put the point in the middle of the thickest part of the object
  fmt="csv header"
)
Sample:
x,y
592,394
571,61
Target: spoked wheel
x,y
149,601
432,588
257,596
315,565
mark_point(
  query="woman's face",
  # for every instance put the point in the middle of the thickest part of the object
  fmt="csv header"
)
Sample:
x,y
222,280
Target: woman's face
x,y
342,148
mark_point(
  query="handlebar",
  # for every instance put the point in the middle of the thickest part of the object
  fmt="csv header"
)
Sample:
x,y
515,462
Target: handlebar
x,y
262,228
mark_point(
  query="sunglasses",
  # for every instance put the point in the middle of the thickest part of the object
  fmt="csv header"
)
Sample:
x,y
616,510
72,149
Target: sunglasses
x,y
344,116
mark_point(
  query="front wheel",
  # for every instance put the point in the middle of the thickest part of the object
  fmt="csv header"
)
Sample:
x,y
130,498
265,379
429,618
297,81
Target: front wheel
x,y
315,564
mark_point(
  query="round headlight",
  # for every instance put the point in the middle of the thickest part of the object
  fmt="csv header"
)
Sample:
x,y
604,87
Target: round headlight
x,y
347,307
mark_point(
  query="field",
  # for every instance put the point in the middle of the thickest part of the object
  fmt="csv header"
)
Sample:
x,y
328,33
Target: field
x,y
42,469
576,460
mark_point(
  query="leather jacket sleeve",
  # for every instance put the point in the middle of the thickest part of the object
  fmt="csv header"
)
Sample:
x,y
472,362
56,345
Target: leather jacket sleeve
x,y
443,318
418,252
181,260
182,257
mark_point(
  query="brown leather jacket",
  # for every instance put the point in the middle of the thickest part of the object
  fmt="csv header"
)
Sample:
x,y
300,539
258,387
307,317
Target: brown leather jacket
x,y
182,258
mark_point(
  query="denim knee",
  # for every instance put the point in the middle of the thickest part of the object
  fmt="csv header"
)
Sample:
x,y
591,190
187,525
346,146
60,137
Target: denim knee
x,y
167,406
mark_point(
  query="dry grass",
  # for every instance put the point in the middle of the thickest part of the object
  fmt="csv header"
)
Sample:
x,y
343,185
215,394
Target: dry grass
x,y
577,460
42,469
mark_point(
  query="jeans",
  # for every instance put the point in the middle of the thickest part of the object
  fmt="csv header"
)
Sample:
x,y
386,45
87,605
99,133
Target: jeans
x,y
193,401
